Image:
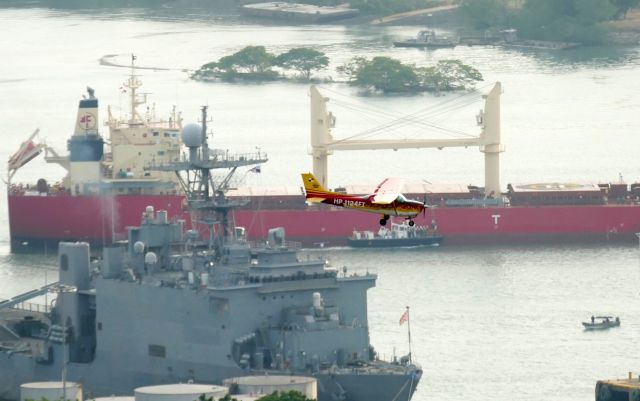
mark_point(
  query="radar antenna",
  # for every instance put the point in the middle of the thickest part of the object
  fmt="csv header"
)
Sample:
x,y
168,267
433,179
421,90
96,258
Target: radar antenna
x,y
206,199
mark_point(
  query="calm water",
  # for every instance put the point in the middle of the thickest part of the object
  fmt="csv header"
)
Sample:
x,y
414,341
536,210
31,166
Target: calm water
x,y
488,324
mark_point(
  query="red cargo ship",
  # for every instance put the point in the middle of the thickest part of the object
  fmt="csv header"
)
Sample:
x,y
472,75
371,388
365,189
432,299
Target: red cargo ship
x,y
104,193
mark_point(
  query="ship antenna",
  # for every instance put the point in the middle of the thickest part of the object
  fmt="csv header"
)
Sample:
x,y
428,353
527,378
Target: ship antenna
x,y
133,83
206,198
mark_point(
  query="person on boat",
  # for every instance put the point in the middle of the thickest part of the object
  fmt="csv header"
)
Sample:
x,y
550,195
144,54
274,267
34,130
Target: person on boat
x,y
593,319
617,319
606,320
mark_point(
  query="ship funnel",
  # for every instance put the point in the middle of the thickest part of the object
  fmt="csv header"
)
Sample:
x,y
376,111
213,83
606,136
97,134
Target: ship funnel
x,y
87,120
86,147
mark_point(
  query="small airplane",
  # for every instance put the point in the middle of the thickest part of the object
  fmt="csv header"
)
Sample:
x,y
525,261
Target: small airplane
x,y
386,200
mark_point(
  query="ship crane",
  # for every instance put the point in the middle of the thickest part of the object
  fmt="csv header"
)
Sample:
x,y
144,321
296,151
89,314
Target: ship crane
x,y
323,144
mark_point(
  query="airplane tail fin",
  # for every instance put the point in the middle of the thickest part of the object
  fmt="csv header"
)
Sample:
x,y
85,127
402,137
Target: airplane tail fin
x,y
314,190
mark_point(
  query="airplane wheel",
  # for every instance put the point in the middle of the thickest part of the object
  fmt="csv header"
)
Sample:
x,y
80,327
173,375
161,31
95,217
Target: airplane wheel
x,y
383,222
411,223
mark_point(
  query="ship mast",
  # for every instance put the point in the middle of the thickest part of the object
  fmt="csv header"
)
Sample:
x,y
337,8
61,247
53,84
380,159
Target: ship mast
x,y
206,198
133,83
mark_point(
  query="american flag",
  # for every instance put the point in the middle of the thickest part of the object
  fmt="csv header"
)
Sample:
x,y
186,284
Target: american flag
x,y
404,317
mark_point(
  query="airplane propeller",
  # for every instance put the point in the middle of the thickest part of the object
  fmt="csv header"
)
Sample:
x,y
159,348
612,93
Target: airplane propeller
x,y
424,205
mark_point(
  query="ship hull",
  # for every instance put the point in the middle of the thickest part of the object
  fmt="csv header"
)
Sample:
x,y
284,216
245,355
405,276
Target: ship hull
x,y
394,242
99,380
37,220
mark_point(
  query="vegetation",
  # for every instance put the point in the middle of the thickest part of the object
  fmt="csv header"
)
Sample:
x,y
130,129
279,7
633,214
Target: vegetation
x,y
565,20
303,60
557,20
380,74
252,62
285,396
255,63
275,396
484,14
389,75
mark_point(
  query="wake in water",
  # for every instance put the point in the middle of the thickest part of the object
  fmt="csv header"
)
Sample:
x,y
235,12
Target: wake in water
x,y
111,60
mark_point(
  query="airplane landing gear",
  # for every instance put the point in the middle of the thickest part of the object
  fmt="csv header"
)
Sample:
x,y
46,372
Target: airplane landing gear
x,y
411,223
383,220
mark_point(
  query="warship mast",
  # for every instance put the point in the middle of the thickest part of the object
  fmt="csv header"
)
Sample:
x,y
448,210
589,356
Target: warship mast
x,y
206,199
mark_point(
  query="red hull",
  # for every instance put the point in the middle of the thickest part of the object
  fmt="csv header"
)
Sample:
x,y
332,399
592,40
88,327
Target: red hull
x,y
53,218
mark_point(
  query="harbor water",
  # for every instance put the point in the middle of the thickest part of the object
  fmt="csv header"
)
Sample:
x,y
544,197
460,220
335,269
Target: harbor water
x,y
486,323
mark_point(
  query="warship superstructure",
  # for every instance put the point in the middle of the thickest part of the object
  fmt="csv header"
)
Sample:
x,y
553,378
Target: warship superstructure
x,y
205,304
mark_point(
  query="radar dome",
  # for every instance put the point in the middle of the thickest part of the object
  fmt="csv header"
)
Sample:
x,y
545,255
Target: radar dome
x,y
150,258
192,135
138,247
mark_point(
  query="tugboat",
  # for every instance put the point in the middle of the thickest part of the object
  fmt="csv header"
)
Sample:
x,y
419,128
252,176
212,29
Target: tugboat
x,y
400,234
171,306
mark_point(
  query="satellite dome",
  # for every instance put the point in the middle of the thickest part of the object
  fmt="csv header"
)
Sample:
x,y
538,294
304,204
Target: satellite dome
x,y
192,135
138,247
150,258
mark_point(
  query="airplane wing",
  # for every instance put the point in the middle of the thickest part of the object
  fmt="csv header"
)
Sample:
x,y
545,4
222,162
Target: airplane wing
x,y
387,191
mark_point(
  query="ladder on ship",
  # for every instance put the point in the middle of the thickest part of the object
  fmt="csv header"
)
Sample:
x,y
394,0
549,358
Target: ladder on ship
x,y
9,303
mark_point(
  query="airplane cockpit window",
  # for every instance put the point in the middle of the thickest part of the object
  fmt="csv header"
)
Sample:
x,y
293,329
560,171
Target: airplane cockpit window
x,y
401,198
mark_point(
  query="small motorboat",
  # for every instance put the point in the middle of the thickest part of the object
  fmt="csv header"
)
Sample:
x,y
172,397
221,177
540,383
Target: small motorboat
x,y
601,323
428,38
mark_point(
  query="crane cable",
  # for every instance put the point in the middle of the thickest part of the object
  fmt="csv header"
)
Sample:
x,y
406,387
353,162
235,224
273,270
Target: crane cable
x,y
418,117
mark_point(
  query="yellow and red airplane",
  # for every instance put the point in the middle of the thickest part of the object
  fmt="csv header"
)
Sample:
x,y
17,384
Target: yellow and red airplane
x,y
386,200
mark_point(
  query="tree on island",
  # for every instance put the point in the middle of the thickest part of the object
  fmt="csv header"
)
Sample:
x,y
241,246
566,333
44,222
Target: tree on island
x,y
449,75
302,59
389,75
254,62
351,68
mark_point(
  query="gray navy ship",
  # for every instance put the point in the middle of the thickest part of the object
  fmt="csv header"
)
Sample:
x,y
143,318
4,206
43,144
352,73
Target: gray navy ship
x,y
172,305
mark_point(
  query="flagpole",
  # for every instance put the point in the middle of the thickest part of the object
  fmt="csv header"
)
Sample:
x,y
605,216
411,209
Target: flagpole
x,y
409,332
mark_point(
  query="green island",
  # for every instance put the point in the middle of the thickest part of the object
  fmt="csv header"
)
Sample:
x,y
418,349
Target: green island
x,y
379,74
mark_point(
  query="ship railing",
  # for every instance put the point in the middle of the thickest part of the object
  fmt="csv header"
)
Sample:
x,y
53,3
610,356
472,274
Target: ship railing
x,y
32,190
284,244
151,123
351,273
224,155
32,307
